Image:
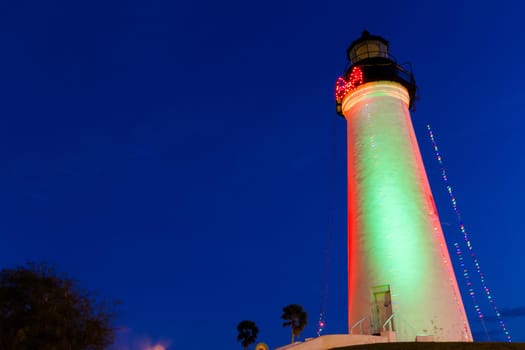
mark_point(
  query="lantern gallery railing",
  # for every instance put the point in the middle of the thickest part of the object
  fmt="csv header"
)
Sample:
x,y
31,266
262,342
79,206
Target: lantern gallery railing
x,y
370,70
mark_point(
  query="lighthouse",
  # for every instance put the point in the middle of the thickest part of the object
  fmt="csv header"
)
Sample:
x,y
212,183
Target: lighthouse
x,y
400,277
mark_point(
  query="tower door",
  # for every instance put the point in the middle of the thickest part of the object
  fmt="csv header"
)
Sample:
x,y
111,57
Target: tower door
x,y
381,307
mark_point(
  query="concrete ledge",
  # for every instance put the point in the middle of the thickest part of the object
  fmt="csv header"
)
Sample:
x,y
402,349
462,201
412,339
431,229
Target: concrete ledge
x,y
326,342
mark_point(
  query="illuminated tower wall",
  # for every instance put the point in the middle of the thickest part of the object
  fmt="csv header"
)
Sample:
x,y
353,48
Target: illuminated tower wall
x,y
400,275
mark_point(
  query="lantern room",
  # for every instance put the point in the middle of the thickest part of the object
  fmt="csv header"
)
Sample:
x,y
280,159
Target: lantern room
x,y
367,46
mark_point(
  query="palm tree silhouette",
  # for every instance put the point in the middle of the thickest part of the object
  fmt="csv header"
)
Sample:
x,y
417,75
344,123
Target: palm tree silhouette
x,y
296,317
247,333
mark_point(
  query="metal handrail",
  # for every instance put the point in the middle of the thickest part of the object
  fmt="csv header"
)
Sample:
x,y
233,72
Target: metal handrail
x,y
360,324
389,322
402,326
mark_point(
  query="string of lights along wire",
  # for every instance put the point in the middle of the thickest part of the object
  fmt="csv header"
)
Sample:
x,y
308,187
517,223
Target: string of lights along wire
x,y
321,322
469,246
471,292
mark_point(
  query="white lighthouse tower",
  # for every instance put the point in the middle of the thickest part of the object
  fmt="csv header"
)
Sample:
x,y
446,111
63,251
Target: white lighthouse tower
x,y
400,276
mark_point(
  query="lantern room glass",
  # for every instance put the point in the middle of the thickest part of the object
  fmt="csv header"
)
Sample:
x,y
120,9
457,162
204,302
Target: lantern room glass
x,y
368,49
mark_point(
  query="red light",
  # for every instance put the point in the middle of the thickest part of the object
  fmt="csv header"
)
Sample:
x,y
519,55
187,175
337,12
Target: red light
x,y
343,86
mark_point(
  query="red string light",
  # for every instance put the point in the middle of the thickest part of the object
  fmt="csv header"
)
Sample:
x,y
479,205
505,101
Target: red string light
x,y
344,86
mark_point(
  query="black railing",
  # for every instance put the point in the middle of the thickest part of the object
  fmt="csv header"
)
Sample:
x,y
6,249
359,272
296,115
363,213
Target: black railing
x,y
384,69
381,68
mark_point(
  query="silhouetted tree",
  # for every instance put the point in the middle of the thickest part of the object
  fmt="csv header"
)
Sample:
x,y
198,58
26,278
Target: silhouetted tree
x,y
44,311
247,333
296,317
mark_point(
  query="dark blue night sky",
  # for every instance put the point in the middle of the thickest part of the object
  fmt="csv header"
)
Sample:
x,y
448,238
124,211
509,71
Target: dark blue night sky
x,y
178,155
